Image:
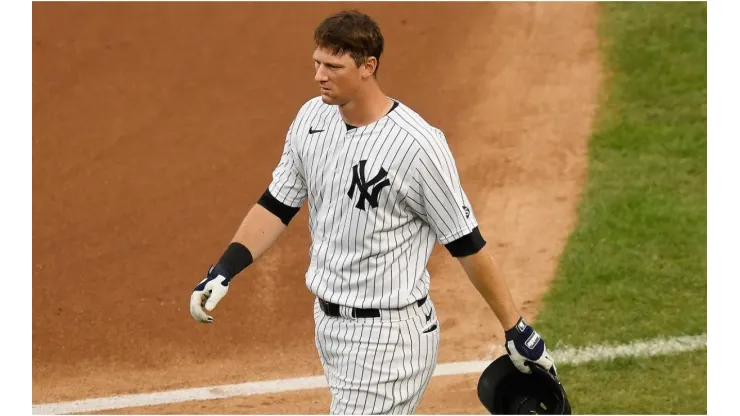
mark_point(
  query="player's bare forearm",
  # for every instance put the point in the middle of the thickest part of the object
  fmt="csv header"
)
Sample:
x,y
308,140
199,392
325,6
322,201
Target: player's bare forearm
x,y
259,230
486,276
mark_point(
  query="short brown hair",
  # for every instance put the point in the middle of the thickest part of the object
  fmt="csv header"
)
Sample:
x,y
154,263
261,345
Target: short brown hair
x,y
352,32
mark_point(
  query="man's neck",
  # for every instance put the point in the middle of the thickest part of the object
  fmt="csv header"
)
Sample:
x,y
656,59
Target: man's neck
x,y
366,108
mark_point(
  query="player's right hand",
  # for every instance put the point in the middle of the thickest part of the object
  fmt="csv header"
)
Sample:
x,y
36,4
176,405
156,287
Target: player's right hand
x,y
208,293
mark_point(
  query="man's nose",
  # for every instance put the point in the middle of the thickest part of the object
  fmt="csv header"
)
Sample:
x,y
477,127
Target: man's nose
x,y
320,75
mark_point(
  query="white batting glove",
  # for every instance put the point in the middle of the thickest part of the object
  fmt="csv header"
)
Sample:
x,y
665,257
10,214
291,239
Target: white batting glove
x,y
208,293
526,347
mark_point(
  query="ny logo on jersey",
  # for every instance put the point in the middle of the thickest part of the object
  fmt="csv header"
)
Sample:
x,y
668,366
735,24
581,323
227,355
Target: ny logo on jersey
x,y
359,182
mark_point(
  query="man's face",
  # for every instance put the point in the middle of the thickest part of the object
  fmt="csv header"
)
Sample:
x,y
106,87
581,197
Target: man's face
x,y
338,76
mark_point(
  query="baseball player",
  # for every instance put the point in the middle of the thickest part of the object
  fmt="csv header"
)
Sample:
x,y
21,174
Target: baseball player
x,y
382,188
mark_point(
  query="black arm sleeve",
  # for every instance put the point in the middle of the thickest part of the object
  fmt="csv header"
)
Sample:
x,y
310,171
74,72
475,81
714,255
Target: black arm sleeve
x,y
277,208
467,244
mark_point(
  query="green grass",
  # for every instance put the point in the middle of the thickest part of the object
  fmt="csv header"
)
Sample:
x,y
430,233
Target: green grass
x,y
674,384
635,265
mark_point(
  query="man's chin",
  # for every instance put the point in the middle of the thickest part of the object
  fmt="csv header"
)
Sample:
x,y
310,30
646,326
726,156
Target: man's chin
x,y
328,99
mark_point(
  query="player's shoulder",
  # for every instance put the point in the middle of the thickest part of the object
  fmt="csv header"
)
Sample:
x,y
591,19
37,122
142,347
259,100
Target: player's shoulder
x,y
312,111
311,107
416,126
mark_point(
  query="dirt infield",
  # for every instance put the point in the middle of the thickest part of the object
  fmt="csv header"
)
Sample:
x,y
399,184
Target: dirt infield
x,y
156,126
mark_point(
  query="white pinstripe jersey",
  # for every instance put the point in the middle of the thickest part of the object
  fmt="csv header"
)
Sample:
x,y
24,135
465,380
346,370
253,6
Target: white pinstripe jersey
x,y
379,197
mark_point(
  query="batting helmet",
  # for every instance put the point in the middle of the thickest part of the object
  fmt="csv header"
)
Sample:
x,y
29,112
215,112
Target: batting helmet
x,y
504,390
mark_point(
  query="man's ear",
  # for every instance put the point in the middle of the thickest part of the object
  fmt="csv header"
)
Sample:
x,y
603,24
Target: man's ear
x,y
369,67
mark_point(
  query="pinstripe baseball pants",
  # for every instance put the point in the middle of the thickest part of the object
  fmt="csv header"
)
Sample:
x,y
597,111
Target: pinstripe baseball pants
x,y
378,365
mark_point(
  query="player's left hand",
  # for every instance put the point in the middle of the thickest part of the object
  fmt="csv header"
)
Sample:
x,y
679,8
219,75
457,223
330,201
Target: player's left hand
x,y
208,293
526,347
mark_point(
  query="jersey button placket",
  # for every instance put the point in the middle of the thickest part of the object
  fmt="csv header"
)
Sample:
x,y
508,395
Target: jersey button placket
x,y
340,158
334,165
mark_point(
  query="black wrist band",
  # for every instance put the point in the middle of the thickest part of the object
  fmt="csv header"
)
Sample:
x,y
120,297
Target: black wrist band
x,y
235,259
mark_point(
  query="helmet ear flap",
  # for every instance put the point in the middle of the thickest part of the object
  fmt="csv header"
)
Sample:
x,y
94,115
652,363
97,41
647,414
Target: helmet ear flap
x,y
503,389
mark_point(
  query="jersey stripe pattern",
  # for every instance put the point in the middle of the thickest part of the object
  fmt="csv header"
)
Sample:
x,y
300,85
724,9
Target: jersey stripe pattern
x,y
379,197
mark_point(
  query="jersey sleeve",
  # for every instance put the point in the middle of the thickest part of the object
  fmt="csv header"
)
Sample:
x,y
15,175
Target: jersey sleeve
x,y
437,196
288,184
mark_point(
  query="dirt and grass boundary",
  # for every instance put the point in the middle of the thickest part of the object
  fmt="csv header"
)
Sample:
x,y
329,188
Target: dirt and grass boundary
x,y
635,265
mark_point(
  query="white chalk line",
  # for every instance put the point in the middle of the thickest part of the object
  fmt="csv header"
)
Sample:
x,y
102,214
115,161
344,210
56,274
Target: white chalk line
x,y
568,355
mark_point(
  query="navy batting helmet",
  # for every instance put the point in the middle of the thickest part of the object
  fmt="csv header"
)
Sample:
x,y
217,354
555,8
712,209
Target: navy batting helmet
x,y
504,390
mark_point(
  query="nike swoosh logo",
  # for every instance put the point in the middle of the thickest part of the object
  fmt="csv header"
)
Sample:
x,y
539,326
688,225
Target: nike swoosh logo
x,y
312,131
